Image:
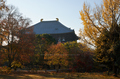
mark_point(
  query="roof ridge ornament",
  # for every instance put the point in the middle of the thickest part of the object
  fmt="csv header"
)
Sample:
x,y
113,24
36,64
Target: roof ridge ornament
x,y
41,20
57,19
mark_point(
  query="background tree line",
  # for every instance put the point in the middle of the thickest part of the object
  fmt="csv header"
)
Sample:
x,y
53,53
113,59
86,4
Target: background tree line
x,y
25,49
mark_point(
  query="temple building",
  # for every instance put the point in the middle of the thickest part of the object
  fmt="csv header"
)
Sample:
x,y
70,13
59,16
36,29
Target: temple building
x,y
56,29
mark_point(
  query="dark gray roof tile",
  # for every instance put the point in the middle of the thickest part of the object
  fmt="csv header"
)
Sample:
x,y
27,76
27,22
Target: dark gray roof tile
x,y
50,27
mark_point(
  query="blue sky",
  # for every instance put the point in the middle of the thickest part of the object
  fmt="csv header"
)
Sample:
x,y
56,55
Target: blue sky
x,y
66,10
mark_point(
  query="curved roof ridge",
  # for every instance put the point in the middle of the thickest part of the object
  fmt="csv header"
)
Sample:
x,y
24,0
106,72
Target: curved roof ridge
x,y
51,27
64,25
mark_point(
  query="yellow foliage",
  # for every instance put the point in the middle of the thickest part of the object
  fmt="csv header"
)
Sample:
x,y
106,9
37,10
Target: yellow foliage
x,y
103,17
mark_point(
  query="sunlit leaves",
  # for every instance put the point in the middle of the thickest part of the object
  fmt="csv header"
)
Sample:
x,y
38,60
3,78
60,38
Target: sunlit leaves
x,y
101,17
57,55
20,46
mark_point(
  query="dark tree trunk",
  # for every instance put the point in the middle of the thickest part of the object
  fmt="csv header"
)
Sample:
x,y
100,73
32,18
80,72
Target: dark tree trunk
x,y
57,68
9,63
115,70
108,71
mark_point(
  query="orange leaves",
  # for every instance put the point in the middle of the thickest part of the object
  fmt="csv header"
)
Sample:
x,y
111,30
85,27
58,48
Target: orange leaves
x,y
3,5
25,47
57,54
20,46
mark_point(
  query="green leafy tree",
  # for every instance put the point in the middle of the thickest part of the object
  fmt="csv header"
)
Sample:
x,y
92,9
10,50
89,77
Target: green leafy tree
x,y
73,50
43,42
102,54
107,51
79,56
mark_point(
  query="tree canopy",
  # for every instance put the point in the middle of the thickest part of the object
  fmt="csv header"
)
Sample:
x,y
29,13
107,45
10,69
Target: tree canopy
x,y
102,30
19,45
106,16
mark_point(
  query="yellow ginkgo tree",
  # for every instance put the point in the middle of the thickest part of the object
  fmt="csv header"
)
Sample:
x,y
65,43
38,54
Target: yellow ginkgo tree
x,y
102,30
106,16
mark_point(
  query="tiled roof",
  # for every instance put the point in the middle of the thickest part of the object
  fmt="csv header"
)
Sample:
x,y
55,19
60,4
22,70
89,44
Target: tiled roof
x,y
50,27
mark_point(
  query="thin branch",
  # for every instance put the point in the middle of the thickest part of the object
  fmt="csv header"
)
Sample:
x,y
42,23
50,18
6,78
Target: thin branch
x,y
92,22
117,17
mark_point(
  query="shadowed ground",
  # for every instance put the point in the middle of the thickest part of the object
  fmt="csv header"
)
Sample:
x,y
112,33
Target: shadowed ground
x,y
58,76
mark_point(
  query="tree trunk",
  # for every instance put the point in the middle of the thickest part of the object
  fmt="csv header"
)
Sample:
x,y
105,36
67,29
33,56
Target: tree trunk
x,y
9,63
115,70
57,68
108,71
